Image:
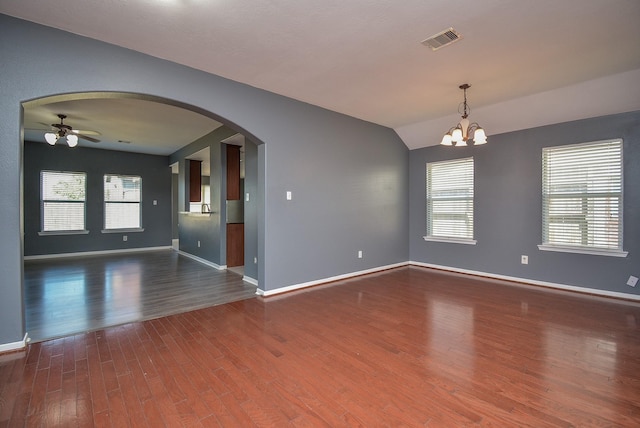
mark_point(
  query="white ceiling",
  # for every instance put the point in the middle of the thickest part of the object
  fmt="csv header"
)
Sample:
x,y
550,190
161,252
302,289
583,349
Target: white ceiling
x,y
125,124
364,57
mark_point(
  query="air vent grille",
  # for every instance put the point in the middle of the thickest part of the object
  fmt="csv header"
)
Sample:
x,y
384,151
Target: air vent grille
x,y
442,39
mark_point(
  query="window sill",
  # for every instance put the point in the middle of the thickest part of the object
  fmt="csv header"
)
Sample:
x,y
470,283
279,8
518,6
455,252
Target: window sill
x,y
450,240
131,230
582,250
63,232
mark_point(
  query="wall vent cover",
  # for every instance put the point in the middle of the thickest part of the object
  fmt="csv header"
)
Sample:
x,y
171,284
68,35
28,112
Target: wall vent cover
x,y
442,39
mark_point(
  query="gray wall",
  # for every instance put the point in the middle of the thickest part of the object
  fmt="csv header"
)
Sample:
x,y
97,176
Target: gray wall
x,y
251,209
349,178
156,185
207,229
174,206
508,213
194,228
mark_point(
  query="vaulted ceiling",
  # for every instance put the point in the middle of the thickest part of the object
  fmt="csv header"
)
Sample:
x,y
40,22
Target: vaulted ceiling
x,y
364,58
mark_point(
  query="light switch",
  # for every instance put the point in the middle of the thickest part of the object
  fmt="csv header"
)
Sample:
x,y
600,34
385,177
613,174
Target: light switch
x,y
246,198
289,196
155,202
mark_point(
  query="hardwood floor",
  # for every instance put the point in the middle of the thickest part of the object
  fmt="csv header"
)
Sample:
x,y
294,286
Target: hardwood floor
x,y
75,295
407,347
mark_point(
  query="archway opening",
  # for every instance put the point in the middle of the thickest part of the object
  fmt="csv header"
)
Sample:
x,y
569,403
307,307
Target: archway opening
x,y
118,122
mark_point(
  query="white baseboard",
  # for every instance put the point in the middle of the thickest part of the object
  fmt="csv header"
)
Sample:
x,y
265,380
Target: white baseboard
x,y
294,287
15,346
203,261
250,280
94,253
526,281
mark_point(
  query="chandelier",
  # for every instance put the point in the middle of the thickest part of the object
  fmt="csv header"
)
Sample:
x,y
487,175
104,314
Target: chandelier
x,y
460,134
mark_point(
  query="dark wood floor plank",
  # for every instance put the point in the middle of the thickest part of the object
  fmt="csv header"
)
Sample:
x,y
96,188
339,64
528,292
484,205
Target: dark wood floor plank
x,y
86,293
407,347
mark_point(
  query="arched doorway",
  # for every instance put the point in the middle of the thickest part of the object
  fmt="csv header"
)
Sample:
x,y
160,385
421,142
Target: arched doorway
x,y
129,124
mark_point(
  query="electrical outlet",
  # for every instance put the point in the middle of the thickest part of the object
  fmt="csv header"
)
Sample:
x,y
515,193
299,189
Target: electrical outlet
x,y
524,259
359,254
155,202
124,238
198,244
255,260
632,281
289,195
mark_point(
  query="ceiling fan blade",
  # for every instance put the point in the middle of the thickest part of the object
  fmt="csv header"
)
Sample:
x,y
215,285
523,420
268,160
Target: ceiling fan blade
x,y
49,126
85,132
86,137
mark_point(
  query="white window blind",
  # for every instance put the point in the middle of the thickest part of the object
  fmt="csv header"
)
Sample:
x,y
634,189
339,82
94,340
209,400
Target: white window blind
x,y
582,195
62,195
122,195
450,199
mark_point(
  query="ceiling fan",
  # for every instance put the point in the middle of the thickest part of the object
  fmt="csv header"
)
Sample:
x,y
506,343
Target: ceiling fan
x,y
62,130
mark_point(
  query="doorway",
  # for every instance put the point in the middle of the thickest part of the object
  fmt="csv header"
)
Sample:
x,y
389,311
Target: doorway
x,y
96,242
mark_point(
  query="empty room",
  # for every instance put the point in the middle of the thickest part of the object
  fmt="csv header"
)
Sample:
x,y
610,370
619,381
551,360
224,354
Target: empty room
x,y
233,213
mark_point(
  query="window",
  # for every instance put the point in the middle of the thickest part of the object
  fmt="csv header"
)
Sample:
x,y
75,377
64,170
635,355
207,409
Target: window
x,y
582,198
62,196
122,202
450,201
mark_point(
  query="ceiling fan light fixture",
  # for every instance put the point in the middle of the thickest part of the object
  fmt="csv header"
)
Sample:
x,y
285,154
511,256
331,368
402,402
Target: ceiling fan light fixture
x,y
51,138
66,131
72,140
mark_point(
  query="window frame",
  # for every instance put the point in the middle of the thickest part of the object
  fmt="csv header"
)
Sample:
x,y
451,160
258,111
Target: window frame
x,y
105,203
586,200
469,240
43,201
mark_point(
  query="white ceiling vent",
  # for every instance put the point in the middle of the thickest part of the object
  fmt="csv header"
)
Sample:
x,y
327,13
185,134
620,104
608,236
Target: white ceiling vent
x,y
442,39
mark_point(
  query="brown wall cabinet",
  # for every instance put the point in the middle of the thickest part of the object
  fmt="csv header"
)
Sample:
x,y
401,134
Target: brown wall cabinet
x,y
233,173
195,181
235,231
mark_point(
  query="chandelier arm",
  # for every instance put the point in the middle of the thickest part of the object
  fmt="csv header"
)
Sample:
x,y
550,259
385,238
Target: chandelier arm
x,y
454,128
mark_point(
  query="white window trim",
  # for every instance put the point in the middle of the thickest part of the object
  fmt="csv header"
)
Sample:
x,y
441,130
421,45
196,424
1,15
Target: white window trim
x,y
132,229
63,232
84,203
582,250
450,240
105,203
577,249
